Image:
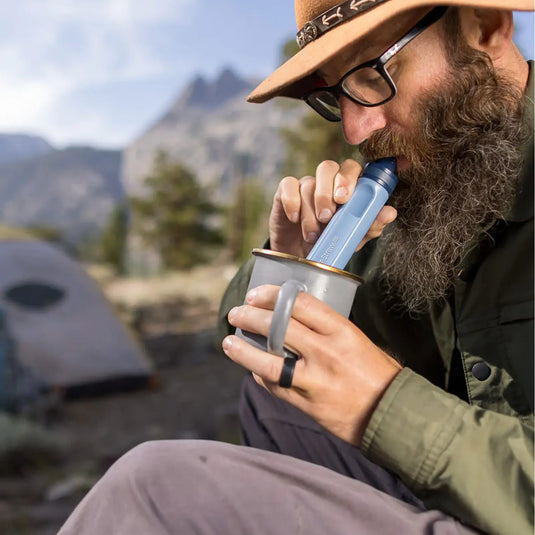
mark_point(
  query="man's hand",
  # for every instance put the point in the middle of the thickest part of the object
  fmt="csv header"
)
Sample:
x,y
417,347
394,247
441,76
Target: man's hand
x,y
341,374
302,208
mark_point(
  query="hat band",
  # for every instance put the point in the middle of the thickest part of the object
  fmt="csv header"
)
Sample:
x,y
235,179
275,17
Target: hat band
x,y
331,18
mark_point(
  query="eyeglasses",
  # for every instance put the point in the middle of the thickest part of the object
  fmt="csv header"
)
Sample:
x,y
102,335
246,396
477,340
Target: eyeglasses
x,y
368,84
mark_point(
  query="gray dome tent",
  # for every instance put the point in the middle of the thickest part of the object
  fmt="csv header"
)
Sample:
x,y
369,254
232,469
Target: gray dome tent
x,y
60,327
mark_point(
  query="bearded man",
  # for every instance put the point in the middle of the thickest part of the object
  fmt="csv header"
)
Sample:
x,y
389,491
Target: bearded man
x,y
415,415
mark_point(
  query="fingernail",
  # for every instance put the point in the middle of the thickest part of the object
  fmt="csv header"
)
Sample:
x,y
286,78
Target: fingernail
x,y
311,237
325,215
251,294
227,343
232,314
340,193
294,218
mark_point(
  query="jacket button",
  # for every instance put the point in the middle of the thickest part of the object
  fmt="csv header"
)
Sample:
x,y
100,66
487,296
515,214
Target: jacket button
x,y
480,371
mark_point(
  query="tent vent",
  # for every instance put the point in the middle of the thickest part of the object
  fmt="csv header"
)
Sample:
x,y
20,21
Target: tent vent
x,y
34,295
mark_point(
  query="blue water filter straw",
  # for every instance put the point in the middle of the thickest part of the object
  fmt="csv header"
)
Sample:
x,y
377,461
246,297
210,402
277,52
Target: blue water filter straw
x,y
353,219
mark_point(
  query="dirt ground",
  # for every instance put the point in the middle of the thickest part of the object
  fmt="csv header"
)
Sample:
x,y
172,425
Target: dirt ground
x,y
195,395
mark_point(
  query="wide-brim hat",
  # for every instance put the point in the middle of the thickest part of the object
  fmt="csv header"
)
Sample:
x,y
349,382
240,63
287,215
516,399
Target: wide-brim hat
x,y
327,27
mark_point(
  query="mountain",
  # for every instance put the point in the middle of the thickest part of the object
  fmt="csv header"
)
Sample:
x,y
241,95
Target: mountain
x,y
203,94
213,130
16,147
210,128
73,190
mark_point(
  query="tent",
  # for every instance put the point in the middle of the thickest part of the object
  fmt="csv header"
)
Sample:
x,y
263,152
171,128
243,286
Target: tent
x,y
58,328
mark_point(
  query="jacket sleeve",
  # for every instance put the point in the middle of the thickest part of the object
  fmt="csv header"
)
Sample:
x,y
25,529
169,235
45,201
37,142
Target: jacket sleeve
x,y
234,295
474,464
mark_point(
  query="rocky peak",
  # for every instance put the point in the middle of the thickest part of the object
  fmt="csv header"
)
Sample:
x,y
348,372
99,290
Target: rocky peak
x,y
229,84
209,95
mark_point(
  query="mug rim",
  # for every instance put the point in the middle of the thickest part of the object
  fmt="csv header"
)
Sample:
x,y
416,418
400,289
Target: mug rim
x,y
270,253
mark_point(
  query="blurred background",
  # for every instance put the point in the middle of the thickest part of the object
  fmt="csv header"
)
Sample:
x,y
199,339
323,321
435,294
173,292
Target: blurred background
x,y
134,180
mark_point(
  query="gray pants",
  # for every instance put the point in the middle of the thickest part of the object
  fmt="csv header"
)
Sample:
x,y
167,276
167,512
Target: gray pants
x,y
183,487
201,487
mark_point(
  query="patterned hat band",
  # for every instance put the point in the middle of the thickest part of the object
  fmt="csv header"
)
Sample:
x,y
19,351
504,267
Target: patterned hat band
x,y
332,17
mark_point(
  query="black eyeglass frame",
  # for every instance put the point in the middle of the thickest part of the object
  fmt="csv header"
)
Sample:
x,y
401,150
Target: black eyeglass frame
x,y
378,64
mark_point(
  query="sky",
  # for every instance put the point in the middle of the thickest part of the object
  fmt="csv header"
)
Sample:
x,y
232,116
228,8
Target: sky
x,y
99,72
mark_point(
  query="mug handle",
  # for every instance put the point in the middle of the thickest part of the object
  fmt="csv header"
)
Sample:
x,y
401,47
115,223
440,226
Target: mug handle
x,y
281,315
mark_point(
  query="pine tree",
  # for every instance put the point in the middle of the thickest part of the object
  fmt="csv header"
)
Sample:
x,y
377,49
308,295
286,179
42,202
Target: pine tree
x,y
111,247
246,218
176,218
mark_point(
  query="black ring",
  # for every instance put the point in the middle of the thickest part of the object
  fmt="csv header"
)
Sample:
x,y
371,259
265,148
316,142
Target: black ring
x,y
287,372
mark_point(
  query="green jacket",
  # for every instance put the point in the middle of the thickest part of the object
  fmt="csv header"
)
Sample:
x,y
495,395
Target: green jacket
x,y
473,457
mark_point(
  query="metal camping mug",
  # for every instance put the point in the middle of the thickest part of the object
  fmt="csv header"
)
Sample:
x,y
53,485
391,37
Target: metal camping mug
x,y
333,286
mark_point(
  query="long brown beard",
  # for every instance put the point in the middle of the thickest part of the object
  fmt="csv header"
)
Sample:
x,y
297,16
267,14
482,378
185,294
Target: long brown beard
x,y
465,163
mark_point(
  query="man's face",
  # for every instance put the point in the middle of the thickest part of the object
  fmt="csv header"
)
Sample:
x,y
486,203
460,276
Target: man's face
x,y
455,128
419,67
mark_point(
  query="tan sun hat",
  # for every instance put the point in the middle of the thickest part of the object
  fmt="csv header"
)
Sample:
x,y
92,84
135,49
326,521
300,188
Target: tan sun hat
x,y
326,27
